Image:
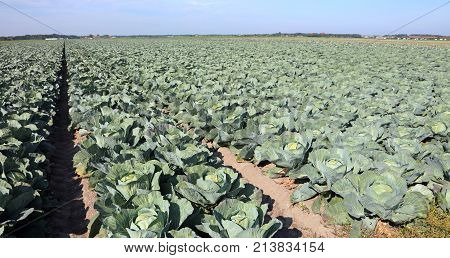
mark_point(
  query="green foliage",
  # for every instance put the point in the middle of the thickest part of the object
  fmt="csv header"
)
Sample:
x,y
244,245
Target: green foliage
x,y
368,136
152,176
26,108
237,219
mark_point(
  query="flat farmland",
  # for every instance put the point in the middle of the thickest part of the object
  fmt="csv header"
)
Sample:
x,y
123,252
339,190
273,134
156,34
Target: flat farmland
x,y
226,136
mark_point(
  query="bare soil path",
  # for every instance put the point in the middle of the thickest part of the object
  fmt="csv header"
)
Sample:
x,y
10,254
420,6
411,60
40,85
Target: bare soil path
x,y
73,196
309,224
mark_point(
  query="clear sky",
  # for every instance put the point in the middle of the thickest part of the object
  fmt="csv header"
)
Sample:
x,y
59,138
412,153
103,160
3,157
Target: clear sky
x,y
134,17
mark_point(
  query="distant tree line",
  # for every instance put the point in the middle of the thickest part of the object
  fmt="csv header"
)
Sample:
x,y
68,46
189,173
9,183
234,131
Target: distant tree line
x,y
417,36
39,36
318,35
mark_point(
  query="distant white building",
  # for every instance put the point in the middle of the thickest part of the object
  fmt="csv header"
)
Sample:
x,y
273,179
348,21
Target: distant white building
x,y
51,39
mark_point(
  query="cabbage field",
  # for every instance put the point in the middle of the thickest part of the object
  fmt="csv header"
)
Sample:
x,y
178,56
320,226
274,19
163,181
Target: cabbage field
x,y
359,129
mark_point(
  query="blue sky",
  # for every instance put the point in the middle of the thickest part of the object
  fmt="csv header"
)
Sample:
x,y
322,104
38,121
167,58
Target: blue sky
x,y
134,17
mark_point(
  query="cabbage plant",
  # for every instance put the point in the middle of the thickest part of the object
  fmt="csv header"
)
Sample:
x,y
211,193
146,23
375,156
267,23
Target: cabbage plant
x,y
237,219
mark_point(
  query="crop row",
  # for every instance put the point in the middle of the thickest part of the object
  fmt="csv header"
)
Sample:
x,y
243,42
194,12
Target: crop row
x,y
27,105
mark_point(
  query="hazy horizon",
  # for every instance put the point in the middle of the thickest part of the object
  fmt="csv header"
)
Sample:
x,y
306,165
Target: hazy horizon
x,y
207,17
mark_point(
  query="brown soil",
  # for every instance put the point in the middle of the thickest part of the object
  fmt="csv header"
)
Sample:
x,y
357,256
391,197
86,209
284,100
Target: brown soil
x,y
309,224
89,196
286,182
384,230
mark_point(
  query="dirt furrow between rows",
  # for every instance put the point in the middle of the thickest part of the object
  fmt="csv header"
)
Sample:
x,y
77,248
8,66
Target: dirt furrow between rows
x,y
309,224
73,198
